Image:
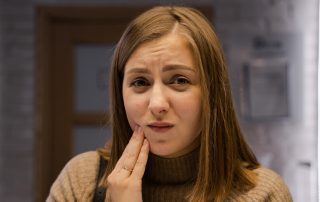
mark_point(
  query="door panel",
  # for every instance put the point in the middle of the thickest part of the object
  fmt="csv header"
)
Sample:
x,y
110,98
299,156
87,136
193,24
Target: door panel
x,y
92,72
86,138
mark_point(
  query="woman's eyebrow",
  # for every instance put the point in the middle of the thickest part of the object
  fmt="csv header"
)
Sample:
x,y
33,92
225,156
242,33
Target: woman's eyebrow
x,y
175,67
165,69
137,70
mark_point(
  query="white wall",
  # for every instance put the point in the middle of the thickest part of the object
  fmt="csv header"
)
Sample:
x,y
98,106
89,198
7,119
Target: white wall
x,y
286,145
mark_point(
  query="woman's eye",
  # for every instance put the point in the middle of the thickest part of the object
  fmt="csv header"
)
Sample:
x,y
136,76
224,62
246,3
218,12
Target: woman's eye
x,y
180,81
140,82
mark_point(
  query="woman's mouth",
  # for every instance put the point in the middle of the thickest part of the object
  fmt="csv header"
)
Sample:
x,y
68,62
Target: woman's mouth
x,y
160,126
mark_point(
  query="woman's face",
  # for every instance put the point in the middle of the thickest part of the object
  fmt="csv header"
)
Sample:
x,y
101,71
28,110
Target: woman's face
x,y
162,94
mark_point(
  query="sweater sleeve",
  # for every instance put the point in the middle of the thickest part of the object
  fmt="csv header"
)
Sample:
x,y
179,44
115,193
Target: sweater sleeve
x,y
270,187
278,189
77,180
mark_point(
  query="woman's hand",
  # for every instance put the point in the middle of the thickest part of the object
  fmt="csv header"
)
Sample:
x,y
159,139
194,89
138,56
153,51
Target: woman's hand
x,y
125,182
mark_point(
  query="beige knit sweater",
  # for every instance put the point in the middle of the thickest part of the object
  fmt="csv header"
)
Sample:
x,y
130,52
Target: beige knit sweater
x,y
77,181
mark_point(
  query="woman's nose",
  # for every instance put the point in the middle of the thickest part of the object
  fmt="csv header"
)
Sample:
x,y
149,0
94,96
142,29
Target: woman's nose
x,y
158,101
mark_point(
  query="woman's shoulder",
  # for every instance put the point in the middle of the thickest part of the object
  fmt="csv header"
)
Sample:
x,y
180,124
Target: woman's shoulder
x,y
268,179
86,158
271,184
265,174
84,166
77,180
269,187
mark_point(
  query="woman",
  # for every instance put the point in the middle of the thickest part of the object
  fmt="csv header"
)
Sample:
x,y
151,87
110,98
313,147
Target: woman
x,y
175,132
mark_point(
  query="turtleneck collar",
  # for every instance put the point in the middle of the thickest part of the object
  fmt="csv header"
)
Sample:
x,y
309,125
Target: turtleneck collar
x,y
178,170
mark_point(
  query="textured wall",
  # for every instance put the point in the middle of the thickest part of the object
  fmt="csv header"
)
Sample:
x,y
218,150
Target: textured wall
x,y
17,101
287,145
1,90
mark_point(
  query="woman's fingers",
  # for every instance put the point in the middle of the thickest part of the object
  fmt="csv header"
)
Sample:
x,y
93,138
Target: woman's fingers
x,y
140,166
125,181
130,155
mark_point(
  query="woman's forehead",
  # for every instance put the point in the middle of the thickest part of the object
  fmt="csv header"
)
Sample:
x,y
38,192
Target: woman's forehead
x,y
171,48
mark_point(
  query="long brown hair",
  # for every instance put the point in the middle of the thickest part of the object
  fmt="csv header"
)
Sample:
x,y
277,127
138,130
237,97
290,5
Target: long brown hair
x,y
225,160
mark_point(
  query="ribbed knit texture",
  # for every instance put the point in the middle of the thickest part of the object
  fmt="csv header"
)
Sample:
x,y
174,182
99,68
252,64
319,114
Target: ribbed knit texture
x,y
165,180
77,180
169,179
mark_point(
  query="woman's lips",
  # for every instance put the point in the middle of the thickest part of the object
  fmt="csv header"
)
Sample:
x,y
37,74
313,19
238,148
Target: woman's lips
x,y
160,126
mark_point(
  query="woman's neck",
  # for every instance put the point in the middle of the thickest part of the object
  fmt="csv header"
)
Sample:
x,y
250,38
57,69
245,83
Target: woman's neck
x,y
172,170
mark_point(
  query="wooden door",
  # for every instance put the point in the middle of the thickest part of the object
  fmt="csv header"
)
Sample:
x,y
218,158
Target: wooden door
x,y
74,49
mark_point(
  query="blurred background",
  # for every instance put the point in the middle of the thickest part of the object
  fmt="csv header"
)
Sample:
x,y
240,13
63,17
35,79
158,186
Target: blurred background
x,y
54,60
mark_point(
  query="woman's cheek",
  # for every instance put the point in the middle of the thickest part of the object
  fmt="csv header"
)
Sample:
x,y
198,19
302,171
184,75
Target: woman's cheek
x,y
134,113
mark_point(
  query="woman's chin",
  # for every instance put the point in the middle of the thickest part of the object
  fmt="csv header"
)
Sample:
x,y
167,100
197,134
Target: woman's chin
x,y
162,152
